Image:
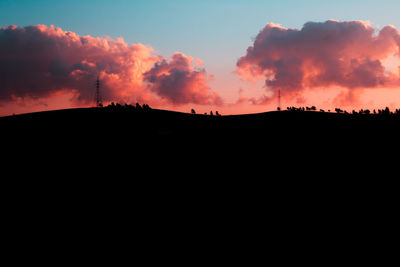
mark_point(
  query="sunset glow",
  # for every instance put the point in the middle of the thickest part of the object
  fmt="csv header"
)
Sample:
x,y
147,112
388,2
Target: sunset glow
x,y
235,59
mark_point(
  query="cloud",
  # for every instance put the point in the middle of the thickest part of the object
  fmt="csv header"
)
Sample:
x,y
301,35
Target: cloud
x,y
179,81
39,61
349,55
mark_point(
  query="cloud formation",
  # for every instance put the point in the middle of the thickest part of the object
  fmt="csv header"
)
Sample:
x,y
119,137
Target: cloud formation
x,y
350,55
40,61
179,81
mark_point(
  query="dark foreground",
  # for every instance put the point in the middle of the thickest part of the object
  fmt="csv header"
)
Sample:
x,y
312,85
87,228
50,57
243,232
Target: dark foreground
x,y
130,132
110,126
163,177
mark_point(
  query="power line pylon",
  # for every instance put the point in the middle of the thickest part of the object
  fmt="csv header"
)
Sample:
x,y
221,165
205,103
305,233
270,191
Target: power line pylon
x,y
279,100
99,101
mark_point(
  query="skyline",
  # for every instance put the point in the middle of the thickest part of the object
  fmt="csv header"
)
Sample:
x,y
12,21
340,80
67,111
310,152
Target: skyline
x,y
204,40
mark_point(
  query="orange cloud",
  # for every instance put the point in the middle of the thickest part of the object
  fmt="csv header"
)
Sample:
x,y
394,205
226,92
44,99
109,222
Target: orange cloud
x,y
37,61
180,83
347,55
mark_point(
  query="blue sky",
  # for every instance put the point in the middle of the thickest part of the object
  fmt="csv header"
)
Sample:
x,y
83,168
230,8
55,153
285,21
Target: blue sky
x,y
217,31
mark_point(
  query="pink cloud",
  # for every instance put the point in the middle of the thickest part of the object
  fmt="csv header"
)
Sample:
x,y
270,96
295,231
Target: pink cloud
x,y
38,61
349,55
179,82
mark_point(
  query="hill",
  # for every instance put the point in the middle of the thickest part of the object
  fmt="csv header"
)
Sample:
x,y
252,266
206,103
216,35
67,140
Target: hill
x,y
278,157
127,125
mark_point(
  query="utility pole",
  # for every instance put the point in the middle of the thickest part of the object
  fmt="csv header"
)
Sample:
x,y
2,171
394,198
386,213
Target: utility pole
x,y
279,100
99,101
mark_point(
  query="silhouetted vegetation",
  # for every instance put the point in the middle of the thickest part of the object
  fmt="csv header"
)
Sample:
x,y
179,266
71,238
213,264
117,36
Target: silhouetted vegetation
x,y
295,109
377,113
126,107
380,112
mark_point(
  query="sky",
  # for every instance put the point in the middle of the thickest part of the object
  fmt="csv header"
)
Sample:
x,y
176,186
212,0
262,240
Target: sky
x,y
189,54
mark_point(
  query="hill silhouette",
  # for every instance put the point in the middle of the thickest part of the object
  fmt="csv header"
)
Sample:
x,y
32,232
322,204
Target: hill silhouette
x,y
134,143
131,126
293,161
153,123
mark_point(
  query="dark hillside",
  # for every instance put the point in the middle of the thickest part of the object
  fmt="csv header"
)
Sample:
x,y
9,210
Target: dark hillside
x,y
130,126
276,157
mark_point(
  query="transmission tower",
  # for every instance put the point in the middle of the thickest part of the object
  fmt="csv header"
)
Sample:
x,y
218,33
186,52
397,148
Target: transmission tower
x,y
279,100
99,101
